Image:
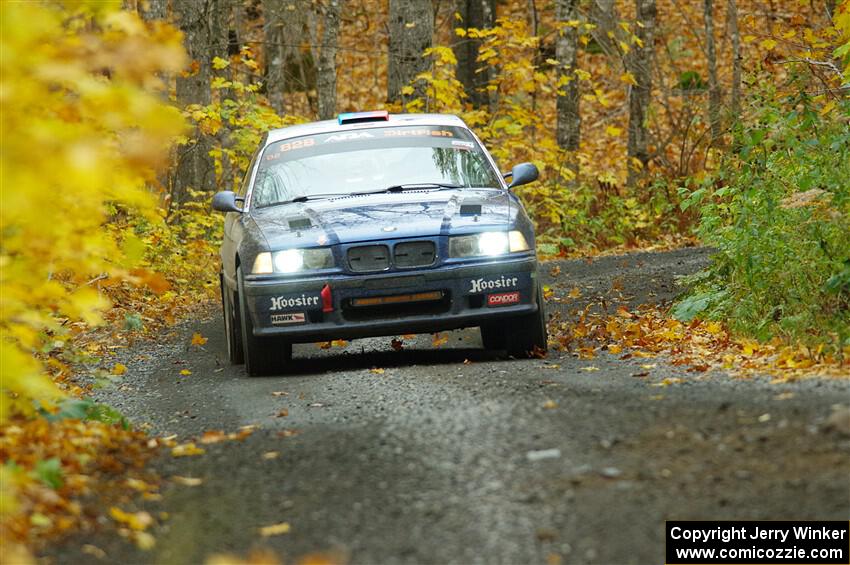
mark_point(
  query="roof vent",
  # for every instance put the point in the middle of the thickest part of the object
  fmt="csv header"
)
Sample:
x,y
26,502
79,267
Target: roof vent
x,y
362,117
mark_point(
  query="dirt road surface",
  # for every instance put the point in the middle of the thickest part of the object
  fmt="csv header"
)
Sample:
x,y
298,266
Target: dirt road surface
x,y
456,455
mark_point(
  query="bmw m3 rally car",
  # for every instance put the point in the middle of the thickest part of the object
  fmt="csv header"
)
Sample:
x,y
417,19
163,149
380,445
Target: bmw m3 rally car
x,y
376,224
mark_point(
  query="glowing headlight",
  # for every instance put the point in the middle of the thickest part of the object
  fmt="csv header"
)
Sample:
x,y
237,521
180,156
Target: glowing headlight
x,y
487,244
293,261
263,264
493,243
288,261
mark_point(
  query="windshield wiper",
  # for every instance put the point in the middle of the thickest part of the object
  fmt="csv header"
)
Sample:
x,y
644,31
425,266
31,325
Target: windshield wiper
x,y
411,186
305,198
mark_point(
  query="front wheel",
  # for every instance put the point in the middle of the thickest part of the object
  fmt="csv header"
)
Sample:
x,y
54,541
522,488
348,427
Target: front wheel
x,y
263,355
527,335
232,325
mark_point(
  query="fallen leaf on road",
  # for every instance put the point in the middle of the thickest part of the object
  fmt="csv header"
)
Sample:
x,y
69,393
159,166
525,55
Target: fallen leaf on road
x,y
280,393
139,485
376,371
119,369
268,455
89,549
614,348
260,556
397,344
316,405
575,292
550,404
547,293
275,529
590,368
668,381
283,413
186,449
198,340
641,374
408,336
648,366
552,366
322,559
187,481
185,372
287,433
144,540
134,520
212,436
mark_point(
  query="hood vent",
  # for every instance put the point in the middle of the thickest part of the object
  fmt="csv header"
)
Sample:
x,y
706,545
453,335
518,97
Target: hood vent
x,y
300,224
470,209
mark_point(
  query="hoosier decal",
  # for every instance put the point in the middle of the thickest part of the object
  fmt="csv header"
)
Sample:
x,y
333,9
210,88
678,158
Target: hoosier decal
x,y
284,302
503,298
482,284
292,318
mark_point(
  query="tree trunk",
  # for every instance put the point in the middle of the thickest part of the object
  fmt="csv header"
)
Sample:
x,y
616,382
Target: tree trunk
x,y
275,53
713,87
732,17
156,10
195,168
566,52
478,14
640,65
326,69
411,25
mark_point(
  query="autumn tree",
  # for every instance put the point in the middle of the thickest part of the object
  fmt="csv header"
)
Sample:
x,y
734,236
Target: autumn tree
x,y
195,168
732,24
328,14
639,62
711,57
478,14
566,53
411,26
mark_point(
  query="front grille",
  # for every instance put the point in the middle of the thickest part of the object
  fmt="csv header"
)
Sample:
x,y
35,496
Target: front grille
x,y
415,254
369,258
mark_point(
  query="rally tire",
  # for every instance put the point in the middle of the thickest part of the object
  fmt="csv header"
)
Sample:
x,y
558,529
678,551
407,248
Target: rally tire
x,y
527,335
232,325
263,355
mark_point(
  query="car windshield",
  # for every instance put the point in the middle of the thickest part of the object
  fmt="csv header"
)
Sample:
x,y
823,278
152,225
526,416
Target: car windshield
x,y
367,160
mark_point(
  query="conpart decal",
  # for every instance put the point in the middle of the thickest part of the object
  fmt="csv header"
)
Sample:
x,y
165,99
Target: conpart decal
x,y
503,298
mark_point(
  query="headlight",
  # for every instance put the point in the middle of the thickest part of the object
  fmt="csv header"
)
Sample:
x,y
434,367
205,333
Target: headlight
x,y
489,243
293,261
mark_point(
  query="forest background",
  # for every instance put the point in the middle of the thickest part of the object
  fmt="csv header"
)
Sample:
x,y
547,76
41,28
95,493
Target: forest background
x,y
654,123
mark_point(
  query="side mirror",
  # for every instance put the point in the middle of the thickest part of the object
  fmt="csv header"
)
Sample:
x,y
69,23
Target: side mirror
x,y
225,201
523,173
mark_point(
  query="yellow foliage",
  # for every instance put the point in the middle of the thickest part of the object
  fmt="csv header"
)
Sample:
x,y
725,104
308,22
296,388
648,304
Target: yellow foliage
x,y
83,132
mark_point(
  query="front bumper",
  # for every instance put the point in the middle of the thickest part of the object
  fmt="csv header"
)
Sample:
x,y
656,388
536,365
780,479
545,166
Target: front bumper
x,y
469,295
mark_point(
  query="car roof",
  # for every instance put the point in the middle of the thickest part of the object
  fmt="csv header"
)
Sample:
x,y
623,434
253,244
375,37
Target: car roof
x,y
329,126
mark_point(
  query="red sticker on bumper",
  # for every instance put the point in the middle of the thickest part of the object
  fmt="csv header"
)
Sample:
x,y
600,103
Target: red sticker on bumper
x,y
502,299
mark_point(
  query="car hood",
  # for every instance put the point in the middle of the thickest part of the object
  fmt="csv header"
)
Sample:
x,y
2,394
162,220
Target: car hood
x,y
414,213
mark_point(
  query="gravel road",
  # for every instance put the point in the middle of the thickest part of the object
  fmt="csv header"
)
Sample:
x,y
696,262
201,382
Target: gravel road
x,y
455,455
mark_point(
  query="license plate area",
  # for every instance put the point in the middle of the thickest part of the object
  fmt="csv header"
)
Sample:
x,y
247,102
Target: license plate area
x,y
396,306
397,299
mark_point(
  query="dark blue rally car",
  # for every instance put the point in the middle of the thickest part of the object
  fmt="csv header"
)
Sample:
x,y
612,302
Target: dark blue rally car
x,y
371,225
